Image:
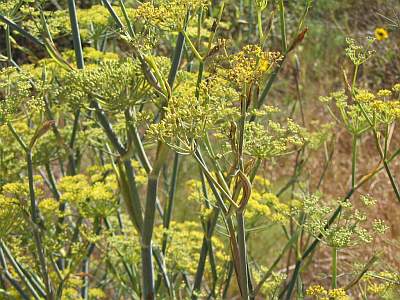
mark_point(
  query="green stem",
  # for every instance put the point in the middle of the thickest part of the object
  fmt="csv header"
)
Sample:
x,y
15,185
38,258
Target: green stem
x,y
132,195
8,44
382,154
36,229
268,274
34,287
12,281
75,34
22,31
250,20
334,267
171,197
259,25
148,225
80,64
311,248
353,161
86,261
282,25
243,274
353,83
126,17
206,244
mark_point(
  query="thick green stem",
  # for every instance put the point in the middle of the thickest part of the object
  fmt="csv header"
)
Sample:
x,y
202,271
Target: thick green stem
x,y
171,197
148,225
75,34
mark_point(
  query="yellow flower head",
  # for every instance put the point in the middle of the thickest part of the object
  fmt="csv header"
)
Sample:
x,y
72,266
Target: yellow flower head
x,y
381,34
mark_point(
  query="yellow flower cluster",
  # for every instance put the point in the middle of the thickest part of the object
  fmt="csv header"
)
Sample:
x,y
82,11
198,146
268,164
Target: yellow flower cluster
x,y
319,292
249,65
382,107
184,243
382,284
16,94
92,199
274,140
167,15
188,117
10,214
381,104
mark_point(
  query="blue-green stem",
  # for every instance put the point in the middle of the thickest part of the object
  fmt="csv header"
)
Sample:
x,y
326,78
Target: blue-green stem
x,y
34,287
206,244
35,216
20,30
76,38
13,281
243,271
148,224
75,34
86,261
171,196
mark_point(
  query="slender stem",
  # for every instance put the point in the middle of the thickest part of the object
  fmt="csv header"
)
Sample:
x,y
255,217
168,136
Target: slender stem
x,y
259,25
33,286
250,20
36,229
206,244
80,64
353,161
126,17
268,274
171,197
86,261
8,44
20,30
192,47
353,83
75,34
382,154
243,275
334,267
282,25
13,282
